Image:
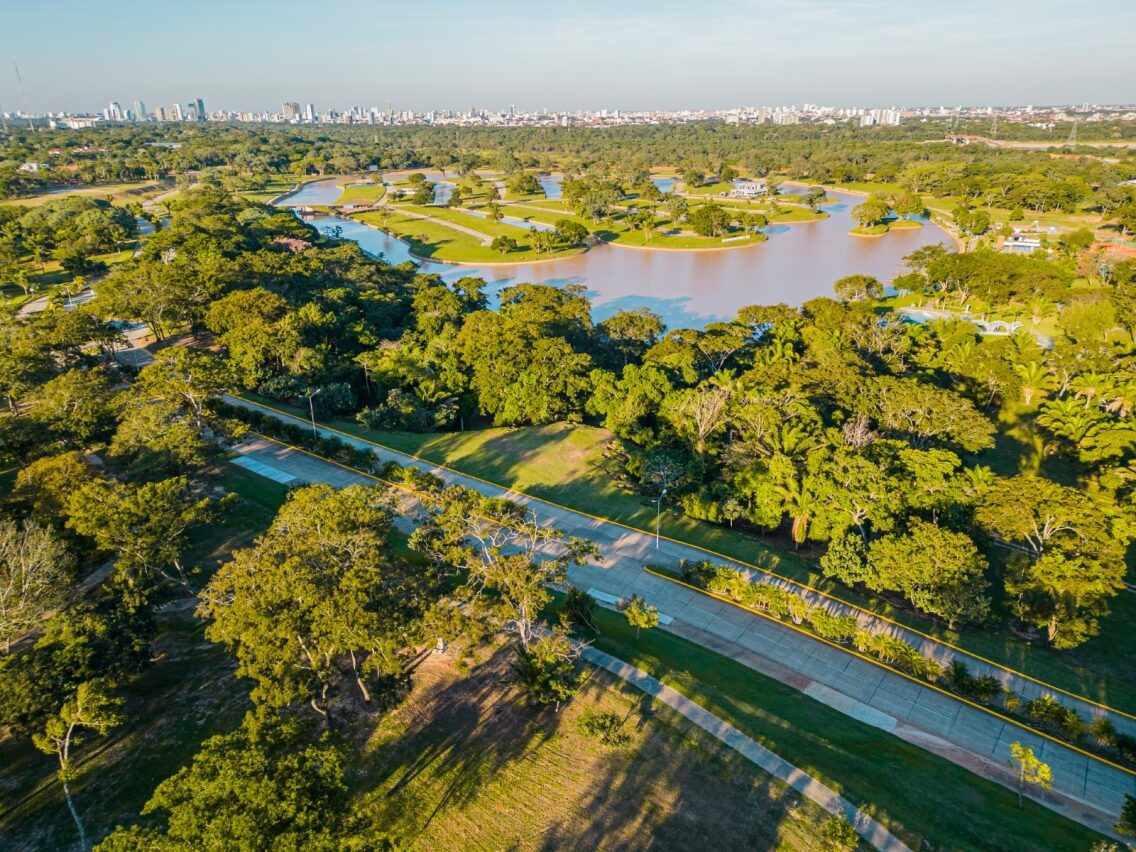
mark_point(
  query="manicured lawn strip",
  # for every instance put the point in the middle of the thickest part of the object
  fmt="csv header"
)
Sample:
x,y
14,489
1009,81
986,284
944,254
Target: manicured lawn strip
x,y
275,185
117,192
561,463
438,241
709,189
687,241
549,217
910,790
361,193
470,220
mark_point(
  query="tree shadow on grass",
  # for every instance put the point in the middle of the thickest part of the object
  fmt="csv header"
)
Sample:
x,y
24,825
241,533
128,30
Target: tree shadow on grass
x,y
677,789
465,731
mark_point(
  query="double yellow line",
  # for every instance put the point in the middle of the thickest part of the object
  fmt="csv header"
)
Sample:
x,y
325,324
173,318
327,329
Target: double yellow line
x,y
735,559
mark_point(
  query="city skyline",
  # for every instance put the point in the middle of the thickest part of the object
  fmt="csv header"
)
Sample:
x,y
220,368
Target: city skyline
x,y
638,57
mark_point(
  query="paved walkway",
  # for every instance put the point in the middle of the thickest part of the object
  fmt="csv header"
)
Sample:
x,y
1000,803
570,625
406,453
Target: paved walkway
x,y
480,236
753,751
1085,789
1023,686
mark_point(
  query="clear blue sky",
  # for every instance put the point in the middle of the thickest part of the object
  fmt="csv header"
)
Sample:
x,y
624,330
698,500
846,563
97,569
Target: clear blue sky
x,y
245,54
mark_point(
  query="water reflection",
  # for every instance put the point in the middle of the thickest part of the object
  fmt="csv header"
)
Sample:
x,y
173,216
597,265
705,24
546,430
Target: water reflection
x,y
688,289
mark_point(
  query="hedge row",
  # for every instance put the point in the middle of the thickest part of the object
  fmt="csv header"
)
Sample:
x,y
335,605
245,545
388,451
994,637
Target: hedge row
x,y
1045,713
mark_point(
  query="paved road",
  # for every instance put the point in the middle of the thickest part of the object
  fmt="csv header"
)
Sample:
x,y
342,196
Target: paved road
x,y
1023,686
1085,789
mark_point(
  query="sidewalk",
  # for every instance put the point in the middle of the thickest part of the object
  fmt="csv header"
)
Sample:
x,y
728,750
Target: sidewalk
x,y
753,751
1088,790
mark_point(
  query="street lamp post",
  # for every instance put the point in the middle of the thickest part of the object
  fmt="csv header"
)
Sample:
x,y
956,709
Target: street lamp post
x,y
658,514
312,410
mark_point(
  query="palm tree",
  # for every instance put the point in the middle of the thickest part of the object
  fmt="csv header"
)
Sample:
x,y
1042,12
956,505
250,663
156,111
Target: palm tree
x,y
800,505
1036,380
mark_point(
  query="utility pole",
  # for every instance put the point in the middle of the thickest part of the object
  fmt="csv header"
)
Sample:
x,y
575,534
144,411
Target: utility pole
x,y
312,410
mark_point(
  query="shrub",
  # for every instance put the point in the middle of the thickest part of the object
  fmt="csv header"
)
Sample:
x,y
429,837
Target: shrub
x,y
834,628
334,398
798,608
697,573
772,599
606,727
703,505
1103,732
281,387
838,835
1051,714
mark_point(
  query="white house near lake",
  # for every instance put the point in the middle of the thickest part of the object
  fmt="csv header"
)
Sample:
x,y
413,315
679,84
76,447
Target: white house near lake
x,y
743,188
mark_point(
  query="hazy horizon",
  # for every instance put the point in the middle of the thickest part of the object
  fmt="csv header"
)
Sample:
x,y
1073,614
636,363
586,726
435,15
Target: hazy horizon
x,y
254,55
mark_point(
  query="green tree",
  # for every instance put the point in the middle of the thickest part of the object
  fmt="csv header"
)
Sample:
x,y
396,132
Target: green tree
x,y
1126,825
265,785
838,835
35,574
941,572
872,212
77,405
1068,561
855,288
503,244
1031,771
145,525
546,669
640,614
91,709
317,603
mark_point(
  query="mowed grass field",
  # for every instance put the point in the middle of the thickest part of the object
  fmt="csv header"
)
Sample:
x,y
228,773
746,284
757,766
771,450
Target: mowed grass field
x,y
925,800
361,193
564,463
464,765
437,240
119,193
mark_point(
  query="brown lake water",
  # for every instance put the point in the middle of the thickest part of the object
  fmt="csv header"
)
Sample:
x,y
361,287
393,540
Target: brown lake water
x,y
687,288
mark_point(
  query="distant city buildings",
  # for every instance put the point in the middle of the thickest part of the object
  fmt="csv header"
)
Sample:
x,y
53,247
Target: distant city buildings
x,y
291,112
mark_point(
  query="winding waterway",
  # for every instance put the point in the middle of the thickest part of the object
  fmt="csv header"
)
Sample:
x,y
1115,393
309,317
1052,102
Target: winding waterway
x,y
688,289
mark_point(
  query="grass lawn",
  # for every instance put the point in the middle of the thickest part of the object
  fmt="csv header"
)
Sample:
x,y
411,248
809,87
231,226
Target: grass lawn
x,y
709,188
660,240
361,193
462,764
544,214
918,795
438,241
870,230
561,463
116,192
275,185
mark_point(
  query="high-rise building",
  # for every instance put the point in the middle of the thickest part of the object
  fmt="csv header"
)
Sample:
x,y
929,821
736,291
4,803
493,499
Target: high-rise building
x,y
114,111
160,114
139,110
199,108
178,115
291,110
310,113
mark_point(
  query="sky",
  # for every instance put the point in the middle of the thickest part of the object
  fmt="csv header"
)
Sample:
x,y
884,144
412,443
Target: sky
x,y
584,54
